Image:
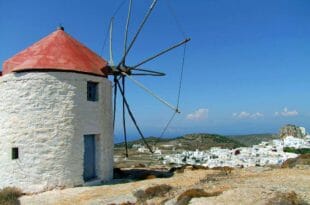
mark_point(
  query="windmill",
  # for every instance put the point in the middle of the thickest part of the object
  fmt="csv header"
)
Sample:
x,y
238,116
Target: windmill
x,y
121,71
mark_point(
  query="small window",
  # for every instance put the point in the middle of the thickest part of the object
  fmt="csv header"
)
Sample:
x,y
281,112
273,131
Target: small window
x,y
15,153
92,91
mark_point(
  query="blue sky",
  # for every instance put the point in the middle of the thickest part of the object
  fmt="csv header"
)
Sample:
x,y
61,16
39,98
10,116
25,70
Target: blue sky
x,y
246,68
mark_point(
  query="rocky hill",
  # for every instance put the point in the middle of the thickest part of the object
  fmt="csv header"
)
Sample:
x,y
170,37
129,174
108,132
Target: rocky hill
x,y
191,142
253,139
291,130
206,141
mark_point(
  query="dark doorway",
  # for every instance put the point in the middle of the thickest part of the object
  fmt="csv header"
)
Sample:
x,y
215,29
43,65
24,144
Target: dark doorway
x,y
89,157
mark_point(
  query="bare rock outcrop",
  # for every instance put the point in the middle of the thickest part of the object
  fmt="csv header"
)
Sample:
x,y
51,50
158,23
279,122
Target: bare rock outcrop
x,y
291,130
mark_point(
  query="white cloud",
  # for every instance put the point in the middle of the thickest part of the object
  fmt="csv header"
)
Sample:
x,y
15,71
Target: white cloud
x,y
257,115
199,114
244,115
286,113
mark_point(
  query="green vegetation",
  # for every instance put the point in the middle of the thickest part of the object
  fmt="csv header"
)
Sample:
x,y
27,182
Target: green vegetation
x,y
253,139
9,196
297,151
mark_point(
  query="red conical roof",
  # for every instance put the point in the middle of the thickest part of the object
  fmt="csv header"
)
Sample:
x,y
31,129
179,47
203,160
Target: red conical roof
x,y
57,51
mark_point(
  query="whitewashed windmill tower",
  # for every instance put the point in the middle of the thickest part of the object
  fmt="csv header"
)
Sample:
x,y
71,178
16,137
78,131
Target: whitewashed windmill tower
x,y
55,116
56,113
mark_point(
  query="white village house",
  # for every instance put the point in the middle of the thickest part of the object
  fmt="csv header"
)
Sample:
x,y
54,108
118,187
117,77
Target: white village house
x,y
55,116
265,153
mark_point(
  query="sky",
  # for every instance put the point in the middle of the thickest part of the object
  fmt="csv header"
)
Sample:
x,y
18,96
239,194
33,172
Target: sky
x,y
246,67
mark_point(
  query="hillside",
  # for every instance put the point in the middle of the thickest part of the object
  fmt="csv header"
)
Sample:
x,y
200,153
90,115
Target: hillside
x,y
255,185
150,140
189,142
192,142
206,141
253,139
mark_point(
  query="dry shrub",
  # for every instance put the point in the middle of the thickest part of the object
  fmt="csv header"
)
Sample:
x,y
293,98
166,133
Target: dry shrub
x,y
140,195
227,170
140,174
139,165
197,167
303,159
9,196
174,169
289,163
151,176
158,190
127,203
304,156
144,176
289,198
211,178
151,192
273,166
124,203
178,169
186,196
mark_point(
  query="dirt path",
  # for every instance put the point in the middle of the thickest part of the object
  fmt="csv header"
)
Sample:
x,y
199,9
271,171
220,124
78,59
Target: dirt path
x,y
244,186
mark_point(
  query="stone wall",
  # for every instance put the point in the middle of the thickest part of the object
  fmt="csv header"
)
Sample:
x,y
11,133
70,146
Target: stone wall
x,y
46,115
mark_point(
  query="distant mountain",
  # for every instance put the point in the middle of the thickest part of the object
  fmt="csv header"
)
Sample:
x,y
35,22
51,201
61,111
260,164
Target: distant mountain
x,y
150,140
253,139
191,142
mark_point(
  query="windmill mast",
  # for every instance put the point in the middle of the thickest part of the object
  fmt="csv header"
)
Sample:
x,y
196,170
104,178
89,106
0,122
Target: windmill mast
x,y
122,71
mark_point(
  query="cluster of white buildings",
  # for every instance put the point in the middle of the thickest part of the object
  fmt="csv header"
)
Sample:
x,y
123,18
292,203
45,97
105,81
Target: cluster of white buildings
x,y
142,149
265,153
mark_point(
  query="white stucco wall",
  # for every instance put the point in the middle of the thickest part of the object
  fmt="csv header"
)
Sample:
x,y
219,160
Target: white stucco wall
x,y
46,115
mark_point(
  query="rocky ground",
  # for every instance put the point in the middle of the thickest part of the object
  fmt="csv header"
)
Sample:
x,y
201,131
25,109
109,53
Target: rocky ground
x,y
255,185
